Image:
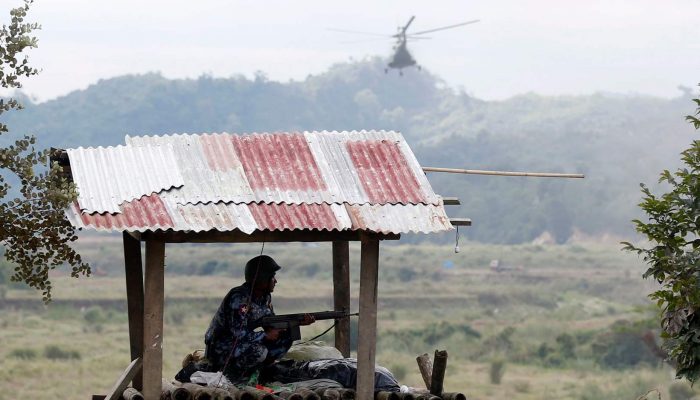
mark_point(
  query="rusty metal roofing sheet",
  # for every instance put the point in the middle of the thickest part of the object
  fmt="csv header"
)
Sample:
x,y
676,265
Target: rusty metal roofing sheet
x,y
418,218
209,166
107,177
151,213
370,167
313,167
283,181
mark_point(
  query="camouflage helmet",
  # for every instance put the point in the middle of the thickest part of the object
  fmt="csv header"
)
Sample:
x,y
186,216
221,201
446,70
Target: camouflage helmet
x,y
264,266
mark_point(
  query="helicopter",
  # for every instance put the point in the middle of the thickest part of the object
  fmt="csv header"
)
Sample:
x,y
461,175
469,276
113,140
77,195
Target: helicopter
x,y
402,58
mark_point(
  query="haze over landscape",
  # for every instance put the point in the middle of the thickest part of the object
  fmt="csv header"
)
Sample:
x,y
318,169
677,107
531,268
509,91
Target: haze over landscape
x,y
540,303
541,46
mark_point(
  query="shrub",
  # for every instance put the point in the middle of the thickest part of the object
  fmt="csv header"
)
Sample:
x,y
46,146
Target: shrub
x,y
497,370
622,348
680,390
94,315
53,352
175,315
23,354
522,386
399,372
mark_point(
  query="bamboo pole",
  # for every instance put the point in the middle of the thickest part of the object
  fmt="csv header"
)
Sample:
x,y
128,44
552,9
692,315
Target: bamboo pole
x,y
132,394
173,392
382,395
287,395
198,392
501,173
347,394
240,394
328,393
307,394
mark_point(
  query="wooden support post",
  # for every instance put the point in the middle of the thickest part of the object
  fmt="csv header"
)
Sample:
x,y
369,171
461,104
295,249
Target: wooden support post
x,y
426,368
438,377
134,299
154,294
367,335
341,295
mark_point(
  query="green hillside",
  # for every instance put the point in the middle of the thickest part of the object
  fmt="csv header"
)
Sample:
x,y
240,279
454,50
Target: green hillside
x,y
617,141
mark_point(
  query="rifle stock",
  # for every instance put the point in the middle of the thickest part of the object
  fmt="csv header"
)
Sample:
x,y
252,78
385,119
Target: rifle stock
x,y
292,322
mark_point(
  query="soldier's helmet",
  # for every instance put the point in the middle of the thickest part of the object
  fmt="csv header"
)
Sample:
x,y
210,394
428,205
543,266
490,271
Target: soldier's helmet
x,y
260,269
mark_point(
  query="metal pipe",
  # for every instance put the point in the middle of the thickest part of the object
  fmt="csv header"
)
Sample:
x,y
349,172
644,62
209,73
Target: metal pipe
x,y
501,173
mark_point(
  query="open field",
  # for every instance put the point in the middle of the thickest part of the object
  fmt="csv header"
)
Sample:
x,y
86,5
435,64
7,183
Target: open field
x,y
565,322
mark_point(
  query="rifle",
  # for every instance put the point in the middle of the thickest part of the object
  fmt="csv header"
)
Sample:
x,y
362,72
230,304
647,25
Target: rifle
x,y
292,322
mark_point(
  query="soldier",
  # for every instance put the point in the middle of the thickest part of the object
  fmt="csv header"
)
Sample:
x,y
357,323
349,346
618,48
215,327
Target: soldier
x,y
233,347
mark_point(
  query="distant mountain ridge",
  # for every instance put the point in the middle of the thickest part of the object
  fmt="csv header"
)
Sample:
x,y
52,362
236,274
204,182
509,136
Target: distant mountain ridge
x,y
617,141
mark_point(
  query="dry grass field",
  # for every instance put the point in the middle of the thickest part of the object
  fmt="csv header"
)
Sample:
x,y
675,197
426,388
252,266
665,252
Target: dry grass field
x,y
557,322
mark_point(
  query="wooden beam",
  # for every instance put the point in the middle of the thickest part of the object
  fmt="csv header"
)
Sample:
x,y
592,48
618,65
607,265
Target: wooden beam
x,y
133,269
237,236
124,379
367,335
341,295
438,376
135,235
461,221
153,319
450,201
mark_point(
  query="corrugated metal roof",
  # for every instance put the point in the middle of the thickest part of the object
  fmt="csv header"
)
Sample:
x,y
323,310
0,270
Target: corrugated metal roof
x,y
151,213
311,180
318,167
110,176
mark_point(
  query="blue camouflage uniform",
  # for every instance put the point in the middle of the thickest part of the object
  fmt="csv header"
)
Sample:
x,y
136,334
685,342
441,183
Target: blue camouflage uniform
x,y
229,329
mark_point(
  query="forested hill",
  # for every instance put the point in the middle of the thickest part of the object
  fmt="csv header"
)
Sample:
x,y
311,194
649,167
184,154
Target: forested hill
x,y
617,141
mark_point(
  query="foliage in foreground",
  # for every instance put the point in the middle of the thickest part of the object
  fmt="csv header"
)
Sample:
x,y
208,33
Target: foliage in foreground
x,y
34,231
673,229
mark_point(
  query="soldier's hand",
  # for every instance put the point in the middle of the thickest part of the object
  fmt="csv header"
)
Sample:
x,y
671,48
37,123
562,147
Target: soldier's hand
x,y
308,319
272,334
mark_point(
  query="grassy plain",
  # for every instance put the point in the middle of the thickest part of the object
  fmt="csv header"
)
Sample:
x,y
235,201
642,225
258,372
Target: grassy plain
x,y
562,320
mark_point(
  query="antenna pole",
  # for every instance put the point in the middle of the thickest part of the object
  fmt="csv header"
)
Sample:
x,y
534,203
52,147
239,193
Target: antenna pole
x,y
500,173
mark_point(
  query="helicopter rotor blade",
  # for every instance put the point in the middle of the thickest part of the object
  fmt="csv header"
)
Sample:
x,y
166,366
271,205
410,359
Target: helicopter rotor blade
x,y
446,27
403,30
360,32
372,39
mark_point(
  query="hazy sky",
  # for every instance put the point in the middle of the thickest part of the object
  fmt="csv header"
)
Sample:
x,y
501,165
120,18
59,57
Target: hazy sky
x,y
543,46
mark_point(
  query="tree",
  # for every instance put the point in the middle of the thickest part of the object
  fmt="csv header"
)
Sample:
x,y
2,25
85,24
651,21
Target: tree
x,y
673,256
35,233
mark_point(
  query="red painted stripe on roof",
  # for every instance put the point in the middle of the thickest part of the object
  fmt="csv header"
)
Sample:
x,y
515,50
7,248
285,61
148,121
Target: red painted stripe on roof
x,y
293,216
148,211
384,172
278,161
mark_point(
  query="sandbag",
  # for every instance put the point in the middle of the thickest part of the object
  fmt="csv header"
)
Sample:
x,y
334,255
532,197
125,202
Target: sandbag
x,y
312,351
343,371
